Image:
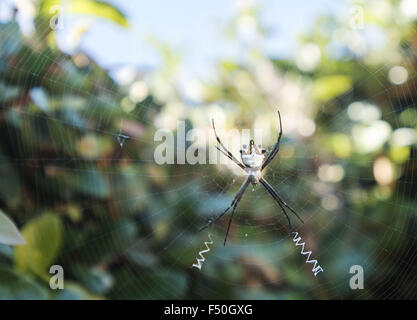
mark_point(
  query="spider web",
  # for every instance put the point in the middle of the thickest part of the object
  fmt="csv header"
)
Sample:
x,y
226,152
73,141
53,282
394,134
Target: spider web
x,y
258,240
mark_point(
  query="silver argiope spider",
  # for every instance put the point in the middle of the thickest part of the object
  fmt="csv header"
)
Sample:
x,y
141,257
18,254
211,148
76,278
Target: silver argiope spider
x,y
253,164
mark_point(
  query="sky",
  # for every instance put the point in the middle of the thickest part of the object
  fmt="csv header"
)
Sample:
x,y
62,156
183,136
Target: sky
x,y
196,30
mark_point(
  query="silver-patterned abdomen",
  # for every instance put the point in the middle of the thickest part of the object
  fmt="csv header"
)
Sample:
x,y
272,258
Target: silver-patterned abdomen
x,y
252,156
253,160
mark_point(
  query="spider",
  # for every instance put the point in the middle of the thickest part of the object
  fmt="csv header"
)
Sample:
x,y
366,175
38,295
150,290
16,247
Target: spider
x,y
253,164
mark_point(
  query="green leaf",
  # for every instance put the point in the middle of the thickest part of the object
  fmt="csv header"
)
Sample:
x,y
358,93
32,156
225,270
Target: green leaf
x,y
327,88
15,286
90,183
97,8
10,42
8,232
10,188
94,279
43,240
126,185
8,92
100,9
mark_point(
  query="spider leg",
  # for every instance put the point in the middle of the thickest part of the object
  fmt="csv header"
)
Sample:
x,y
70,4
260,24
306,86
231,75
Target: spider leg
x,y
231,218
235,200
274,195
264,182
278,199
274,151
227,155
226,152
288,206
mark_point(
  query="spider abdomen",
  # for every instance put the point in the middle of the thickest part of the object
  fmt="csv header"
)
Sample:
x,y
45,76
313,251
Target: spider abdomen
x,y
253,160
254,175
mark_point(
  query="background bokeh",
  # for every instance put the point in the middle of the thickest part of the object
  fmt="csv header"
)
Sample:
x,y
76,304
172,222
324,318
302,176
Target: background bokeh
x,y
78,175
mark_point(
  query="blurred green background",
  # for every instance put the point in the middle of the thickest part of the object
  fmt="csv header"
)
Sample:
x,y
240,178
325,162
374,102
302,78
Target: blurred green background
x,y
79,180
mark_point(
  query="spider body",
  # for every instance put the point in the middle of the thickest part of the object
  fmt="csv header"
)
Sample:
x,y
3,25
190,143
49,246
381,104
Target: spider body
x,y
253,162
252,158
254,175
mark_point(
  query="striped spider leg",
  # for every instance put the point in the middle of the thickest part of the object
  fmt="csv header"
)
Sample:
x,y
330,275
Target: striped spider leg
x,y
234,204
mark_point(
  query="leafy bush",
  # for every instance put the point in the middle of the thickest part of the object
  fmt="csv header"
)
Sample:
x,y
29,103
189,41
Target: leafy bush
x,y
78,178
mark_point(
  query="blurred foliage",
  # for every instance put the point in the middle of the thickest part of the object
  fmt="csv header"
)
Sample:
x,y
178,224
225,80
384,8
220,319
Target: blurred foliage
x,y
77,173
